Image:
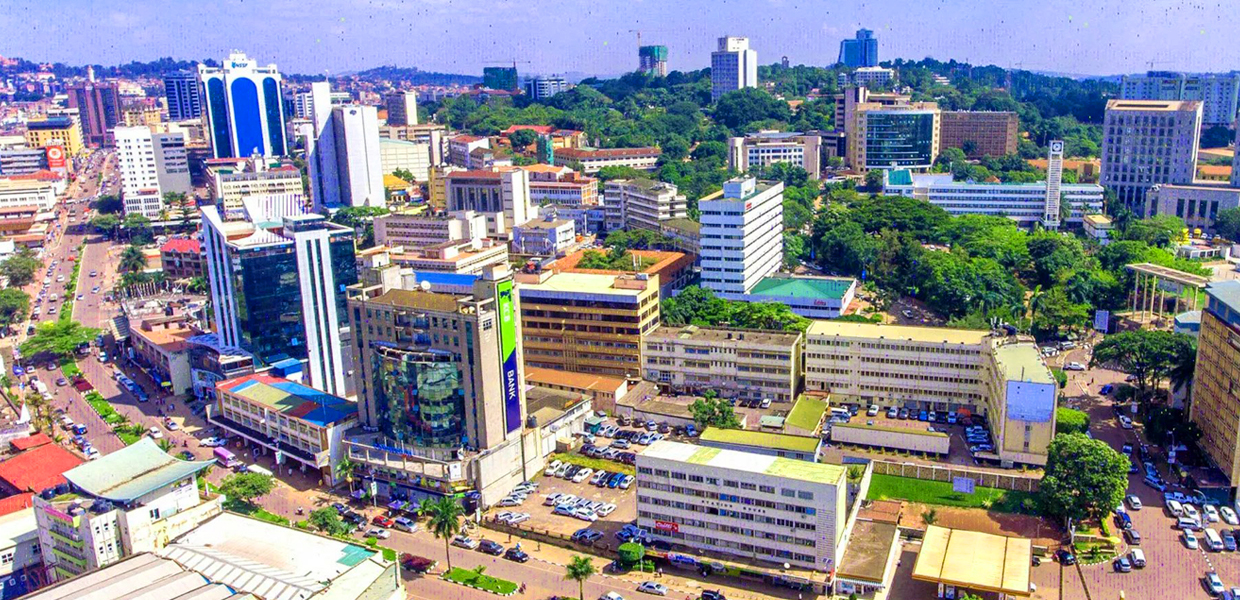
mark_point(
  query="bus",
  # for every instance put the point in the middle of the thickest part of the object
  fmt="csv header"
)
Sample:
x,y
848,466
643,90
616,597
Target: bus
x,y
226,458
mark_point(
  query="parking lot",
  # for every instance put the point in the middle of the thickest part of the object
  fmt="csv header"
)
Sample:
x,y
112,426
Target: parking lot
x,y
970,437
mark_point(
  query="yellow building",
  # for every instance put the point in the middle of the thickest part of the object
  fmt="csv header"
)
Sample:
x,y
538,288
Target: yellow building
x,y
1215,405
437,186
56,131
939,369
586,322
139,115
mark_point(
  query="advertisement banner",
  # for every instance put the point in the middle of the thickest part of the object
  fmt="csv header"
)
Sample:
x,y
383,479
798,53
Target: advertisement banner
x,y
506,307
55,157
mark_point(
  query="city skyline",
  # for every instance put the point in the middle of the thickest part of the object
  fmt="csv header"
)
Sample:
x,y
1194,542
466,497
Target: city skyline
x,y
321,37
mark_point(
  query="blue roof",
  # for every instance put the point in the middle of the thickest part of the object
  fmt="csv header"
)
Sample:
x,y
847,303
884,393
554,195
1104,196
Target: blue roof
x,y
1227,293
440,278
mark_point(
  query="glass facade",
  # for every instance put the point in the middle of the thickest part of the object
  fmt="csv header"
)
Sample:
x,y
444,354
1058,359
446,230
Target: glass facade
x,y
419,396
268,298
897,140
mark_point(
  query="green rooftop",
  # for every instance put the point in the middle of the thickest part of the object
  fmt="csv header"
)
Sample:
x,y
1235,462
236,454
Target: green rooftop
x,y
807,413
805,470
761,439
899,177
132,472
703,456
814,288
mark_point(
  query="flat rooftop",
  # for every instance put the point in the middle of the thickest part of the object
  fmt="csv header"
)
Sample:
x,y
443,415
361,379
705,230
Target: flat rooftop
x,y
1023,362
869,551
417,299
291,398
748,462
724,335
975,561
1226,292
1153,105
927,335
570,379
140,576
813,288
761,439
582,283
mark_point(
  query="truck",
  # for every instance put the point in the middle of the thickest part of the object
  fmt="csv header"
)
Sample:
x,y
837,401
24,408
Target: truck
x,y
226,458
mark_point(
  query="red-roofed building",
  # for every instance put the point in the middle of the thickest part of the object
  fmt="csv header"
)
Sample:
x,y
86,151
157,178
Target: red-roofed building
x,y
460,146
15,503
36,469
34,441
181,258
593,159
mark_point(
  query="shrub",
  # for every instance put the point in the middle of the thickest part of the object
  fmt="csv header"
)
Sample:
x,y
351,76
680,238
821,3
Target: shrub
x,y
1068,420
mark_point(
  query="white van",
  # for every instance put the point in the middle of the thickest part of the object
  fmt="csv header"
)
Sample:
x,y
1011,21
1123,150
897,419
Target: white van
x,y
1188,523
1213,540
1175,508
1137,557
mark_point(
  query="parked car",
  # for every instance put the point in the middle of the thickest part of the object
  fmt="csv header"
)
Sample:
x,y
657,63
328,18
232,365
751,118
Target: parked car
x,y
1228,515
417,564
403,524
1074,366
1121,565
516,555
1065,557
1134,502
490,547
464,541
651,587
1190,540
379,533
1213,584
712,595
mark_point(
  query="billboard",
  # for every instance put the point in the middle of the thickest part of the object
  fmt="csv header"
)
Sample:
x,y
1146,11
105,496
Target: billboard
x,y
55,157
511,382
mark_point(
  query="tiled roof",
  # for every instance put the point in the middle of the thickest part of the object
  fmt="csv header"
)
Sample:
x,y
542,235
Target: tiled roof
x,y
15,503
473,175
182,245
26,443
543,129
38,469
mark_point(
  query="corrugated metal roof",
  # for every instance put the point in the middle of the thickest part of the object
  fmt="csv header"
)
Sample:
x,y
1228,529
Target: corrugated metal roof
x,y
129,473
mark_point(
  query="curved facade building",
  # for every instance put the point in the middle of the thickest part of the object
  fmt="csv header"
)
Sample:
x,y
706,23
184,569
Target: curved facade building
x,y
419,395
245,115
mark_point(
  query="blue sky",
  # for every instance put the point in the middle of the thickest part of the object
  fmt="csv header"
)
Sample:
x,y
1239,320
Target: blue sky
x,y
592,36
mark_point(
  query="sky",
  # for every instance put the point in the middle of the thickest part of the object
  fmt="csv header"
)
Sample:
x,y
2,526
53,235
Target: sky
x,y
1094,37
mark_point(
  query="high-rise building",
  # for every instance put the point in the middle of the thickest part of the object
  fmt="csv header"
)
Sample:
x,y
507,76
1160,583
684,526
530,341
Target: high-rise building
x,y
65,132
542,88
1147,142
402,108
152,164
277,289
1215,405
742,235
766,148
99,107
1054,179
346,163
181,92
500,78
732,67
903,136
652,60
861,51
1218,93
244,108
503,196
979,133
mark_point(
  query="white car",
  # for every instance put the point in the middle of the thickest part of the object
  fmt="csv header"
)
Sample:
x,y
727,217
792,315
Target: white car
x,y
155,432
1125,421
552,468
611,596
585,514
1228,515
583,475
464,541
1211,513
1134,502
651,587
377,532
171,425
1190,511
518,518
1074,366
1190,540
606,509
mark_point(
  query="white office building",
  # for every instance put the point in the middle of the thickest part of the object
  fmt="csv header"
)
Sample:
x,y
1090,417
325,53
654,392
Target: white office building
x,y
1024,203
542,88
1217,92
346,165
18,192
423,230
303,103
766,148
758,507
402,108
732,67
642,203
1147,142
867,76
243,108
742,235
414,157
152,164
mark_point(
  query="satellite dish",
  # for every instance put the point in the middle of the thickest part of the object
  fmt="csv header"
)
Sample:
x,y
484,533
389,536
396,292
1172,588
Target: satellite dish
x,y
425,285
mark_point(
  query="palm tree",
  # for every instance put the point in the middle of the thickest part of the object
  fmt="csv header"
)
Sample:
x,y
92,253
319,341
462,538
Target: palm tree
x,y
579,569
445,522
426,506
1183,367
345,469
165,444
1036,298
132,260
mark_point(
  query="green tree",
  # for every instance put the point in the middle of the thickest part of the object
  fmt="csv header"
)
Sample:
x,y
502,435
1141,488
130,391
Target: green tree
x,y
736,109
874,181
1183,367
445,522
1159,231
631,553
21,267
245,487
579,569
1227,223
1147,355
328,521
714,412
137,227
1084,477
522,138
58,338
345,470
106,223
405,174
197,285
132,260
107,205
1069,420
14,307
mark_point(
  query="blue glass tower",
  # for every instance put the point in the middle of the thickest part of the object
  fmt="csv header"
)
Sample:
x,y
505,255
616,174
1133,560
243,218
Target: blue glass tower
x,y
245,115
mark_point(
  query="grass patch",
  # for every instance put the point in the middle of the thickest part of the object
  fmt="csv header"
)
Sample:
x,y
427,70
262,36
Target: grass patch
x,y
106,411
388,554
806,413
893,487
129,433
257,512
494,585
595,463
69,367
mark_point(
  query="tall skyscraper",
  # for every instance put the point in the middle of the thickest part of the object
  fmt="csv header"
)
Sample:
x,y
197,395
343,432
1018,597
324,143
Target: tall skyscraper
x,y
1219,93
652,60
346,162
277,289
732,67
152,164
1147,142
181,92
402,108
245,114
500,78
742,235
99,107
861,51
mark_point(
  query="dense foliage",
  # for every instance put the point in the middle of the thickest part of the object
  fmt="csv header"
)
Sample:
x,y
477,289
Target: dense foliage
x,y
699,306
1084,477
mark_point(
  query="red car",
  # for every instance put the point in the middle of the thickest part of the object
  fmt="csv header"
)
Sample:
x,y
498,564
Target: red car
x,y
382,521
416,564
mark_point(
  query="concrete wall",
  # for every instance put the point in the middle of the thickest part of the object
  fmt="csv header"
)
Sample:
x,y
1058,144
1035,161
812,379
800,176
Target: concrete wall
x,y
885,438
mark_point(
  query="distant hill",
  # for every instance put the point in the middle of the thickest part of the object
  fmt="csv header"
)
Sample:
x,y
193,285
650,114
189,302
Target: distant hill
x,y
417,77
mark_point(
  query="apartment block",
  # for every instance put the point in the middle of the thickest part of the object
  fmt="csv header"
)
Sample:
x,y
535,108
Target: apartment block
x,y
503,196
979,133
561,186
1217,92
460,147
151,164
419,230
642,203
741,235
547,236
760,508
929,368
586,322
733,66
593,159
1147,142
743,364
56,131
1216,382
766,148
402,108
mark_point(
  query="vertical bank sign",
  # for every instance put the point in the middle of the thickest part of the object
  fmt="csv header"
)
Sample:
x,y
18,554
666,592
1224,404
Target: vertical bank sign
x,y
508,354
